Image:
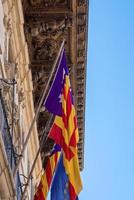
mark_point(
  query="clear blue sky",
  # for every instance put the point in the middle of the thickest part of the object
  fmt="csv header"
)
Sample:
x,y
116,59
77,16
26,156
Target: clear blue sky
x,y
109,135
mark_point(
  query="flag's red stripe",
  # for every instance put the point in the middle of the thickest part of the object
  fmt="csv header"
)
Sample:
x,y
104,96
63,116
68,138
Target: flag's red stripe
x,y
56,135
72,192
73,141
65,119
48,172
39,194
68,107
56,158
69,104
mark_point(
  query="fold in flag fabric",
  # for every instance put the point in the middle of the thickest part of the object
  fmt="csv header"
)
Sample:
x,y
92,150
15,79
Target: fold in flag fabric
x,y
60,184
64,130
46,178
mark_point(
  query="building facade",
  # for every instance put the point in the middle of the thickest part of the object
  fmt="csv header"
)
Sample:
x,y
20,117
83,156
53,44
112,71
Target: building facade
x,y
31,33
16,104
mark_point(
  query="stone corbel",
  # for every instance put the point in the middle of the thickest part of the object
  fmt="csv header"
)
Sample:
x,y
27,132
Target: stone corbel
x,y
81,2
81,43
81,53
81,18
81,29
80,65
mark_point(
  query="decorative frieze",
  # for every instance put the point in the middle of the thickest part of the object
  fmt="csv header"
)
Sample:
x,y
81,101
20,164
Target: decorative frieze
x,y
81,53
52,27
80,65
49,3
80,72
82,2
81,18
45,50
81,43
44,37
81,29
80,94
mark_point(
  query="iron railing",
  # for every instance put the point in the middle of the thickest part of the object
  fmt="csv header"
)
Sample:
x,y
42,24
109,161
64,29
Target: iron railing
x,y
8,143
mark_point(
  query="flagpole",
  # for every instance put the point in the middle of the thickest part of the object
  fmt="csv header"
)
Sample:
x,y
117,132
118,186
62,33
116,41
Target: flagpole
x,y
38,109
43,142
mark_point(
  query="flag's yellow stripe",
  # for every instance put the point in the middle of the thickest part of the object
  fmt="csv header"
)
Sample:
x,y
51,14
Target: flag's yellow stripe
x,y
72,166
68,133
52,164
45,187
64,98
59,122
72,169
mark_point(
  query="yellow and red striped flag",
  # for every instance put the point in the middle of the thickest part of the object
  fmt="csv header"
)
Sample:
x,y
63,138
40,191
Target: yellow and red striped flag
x,y
46,178
64,130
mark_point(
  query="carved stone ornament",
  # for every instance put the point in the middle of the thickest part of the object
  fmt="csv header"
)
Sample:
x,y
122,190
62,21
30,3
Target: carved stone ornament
x,y
47,23
21,96
81,2
81,18
81,29
52,28
5,88
80,65
81,52
80,73
81,43
7,24
16,113
45,50
38,75
48,3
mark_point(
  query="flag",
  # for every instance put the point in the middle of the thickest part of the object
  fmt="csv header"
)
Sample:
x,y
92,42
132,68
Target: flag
x,y
60,184
64,130
46,179
60,103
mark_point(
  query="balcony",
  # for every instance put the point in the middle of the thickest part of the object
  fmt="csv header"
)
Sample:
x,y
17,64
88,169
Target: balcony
x,y
11,157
